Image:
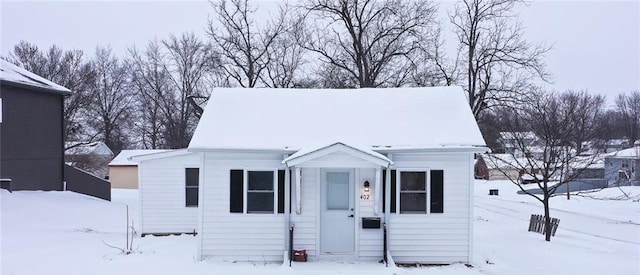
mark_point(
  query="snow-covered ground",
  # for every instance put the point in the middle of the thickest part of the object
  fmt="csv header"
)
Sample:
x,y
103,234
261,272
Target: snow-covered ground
x,y
63,233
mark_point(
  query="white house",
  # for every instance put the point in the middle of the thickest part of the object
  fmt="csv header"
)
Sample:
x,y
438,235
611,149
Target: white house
x,y
337,166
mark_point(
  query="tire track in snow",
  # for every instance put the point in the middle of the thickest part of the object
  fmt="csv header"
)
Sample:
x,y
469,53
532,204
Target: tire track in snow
x,y
564,211
509,213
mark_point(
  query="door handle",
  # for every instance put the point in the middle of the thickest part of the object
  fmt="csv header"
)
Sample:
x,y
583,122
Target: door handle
x,y
350,216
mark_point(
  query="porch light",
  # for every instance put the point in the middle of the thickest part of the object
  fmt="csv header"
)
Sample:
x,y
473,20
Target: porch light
x,y
366,186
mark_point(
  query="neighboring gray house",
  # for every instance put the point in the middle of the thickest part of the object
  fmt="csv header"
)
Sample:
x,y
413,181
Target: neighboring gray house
x,y
623,167
31,123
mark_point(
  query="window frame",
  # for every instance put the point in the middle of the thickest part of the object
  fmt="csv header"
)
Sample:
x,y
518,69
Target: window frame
x,y
427,171
245,190
186,186
427,176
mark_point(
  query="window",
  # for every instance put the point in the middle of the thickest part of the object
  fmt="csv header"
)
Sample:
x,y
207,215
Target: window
x,y
413,192
260,190
192,177
417,191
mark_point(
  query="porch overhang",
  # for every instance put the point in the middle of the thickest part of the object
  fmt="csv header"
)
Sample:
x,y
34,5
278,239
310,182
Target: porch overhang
x,y
309,154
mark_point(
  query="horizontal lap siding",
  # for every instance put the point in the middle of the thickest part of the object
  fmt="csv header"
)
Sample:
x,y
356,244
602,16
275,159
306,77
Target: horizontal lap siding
x,y
370,242
305,232
162,195
435,238
237,236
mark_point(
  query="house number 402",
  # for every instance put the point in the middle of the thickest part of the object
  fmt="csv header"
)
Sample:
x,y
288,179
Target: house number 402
x,y
364,196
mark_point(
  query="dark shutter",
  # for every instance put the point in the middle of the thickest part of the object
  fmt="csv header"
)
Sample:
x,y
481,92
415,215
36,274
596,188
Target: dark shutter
x,y
393,191
281,174
437,191
236,191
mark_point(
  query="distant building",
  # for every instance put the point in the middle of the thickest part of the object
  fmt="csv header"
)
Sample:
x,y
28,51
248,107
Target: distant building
x,y
514,142
123,173
623,167
92,157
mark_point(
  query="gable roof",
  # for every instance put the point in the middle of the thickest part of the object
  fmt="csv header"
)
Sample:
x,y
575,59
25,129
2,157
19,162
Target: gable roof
x,y
11,74
124,158
97,148
311,153
293,119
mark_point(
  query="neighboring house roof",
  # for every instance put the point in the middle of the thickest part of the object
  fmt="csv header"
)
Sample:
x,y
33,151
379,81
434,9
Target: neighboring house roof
x,y
508,161
11,74
519,135
123,159
294,119
632,153
96,148
588,162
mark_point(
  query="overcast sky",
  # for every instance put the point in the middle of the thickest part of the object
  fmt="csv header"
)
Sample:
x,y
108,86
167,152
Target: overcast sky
x,y
595,43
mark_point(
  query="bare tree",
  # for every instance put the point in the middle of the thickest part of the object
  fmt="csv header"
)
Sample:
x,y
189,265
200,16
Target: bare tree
x,y
152,84
286,55
111,99
432,66
499,62
628,108
373,42
66,68
190,60
587,114
550,117
242,45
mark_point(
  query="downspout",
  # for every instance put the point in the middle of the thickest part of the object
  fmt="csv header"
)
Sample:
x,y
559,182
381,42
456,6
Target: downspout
x,y
64,178
387,212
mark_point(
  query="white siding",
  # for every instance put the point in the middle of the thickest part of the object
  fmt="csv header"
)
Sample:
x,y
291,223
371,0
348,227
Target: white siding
x,y
424,238
162,195
369,241
237,236
306,229
436,238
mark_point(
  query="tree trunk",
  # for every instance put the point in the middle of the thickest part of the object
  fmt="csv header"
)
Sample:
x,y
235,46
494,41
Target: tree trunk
x,y
547,220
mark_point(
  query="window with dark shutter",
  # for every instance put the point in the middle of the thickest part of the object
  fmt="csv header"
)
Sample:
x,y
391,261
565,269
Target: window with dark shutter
x,y
393,191
260,191
437,191
236,191
192,177
413,192
281,180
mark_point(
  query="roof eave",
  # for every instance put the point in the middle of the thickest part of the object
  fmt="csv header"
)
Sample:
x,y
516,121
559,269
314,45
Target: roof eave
x,y
35,87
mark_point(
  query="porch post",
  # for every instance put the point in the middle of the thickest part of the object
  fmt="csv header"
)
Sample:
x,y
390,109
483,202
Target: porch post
x,y
287,210
298,183
378,191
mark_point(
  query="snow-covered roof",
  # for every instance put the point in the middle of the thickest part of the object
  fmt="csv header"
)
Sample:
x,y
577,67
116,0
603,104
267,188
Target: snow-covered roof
x,y
293,119
122,159
519,135
508,161
91,148
367,152
633,153
588,162
13,74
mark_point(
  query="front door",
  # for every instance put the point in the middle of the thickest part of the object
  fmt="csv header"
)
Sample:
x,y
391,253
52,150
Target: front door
x,y
337,222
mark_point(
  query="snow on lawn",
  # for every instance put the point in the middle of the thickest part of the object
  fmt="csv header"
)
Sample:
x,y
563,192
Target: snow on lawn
x,y
63,233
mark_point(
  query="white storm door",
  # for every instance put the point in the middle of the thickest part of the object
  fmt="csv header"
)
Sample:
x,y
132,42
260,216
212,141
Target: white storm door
x,y
337,222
